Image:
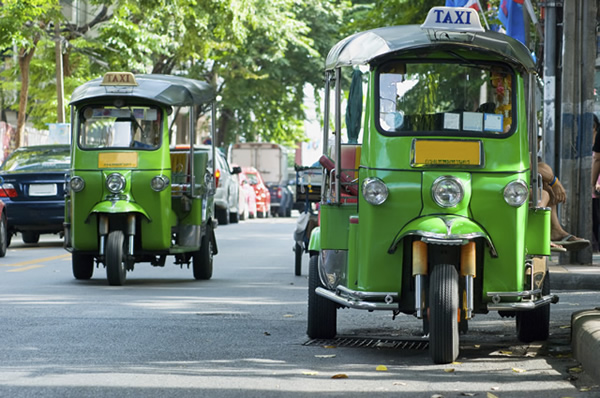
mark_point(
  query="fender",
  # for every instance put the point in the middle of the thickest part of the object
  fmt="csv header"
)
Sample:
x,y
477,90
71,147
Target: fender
x,y
314,243
443,227
119,207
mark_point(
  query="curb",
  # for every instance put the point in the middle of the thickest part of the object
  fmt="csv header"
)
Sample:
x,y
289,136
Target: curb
x,y
585,340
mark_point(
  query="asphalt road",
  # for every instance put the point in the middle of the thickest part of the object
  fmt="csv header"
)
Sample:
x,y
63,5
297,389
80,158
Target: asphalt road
x,y
242,334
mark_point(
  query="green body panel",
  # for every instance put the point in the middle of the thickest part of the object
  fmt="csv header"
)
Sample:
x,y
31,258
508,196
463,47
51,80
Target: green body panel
x,y
334,225
314,244
538,226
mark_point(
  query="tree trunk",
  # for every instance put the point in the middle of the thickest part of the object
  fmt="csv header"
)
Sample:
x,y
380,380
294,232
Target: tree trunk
x,y
25,56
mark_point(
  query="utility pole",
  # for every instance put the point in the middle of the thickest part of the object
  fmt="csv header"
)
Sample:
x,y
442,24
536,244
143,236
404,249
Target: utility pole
x,y
550,61
60,93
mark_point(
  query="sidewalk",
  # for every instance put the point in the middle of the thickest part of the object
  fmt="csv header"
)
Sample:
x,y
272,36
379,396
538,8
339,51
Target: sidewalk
x,y
585,324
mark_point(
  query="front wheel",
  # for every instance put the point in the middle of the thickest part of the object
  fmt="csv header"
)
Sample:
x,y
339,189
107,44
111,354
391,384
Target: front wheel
x,y
203,259
298,257
443,319
534,325
83,266
322,313
115,259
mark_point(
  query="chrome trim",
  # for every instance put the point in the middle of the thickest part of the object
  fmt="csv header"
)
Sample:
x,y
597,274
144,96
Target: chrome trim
x,y
525,293
470,292
332,268
523,305
419,299
446,242
356,303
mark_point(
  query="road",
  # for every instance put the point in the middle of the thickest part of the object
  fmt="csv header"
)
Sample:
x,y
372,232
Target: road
x,y
242,334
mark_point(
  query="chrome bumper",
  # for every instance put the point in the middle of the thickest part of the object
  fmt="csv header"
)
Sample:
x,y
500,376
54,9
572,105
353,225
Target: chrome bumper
x,y
361,300
524,305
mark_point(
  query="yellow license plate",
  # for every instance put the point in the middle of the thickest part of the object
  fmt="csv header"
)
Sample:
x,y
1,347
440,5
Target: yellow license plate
x,y
447,153
117,160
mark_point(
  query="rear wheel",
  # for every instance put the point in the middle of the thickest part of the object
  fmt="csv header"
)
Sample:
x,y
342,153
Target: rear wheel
x,y
203,259
534,325
234,217
3,235
115,259
322,313
83,266
222,216
30,237
443,317
298,256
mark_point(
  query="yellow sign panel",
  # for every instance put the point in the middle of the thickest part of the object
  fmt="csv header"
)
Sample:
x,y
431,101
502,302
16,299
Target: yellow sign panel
x,y
117,160
447,153
118,79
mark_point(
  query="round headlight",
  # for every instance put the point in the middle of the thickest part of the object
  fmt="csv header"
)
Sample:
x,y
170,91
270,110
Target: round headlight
x,y
516,193
159,183
115,183
77,184
374,191
447,191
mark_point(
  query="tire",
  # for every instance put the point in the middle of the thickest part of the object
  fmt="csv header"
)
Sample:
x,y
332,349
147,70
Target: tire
x,y
298,257
202,260
115,261
443,322
234,217
30,237
3,235
534,325
322,313
83,266
222,216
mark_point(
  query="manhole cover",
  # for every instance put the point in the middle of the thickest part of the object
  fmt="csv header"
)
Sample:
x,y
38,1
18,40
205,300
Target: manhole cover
x,y
372,342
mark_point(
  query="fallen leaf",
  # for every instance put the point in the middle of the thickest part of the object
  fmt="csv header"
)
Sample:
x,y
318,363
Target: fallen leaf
x,y
310,373
288,316
437,396
399,383
490,395
339,376
325,356
577,369
329,346
449,370
565,327
267,334
503,352
585,389
468,394
381,368
494,389
518,370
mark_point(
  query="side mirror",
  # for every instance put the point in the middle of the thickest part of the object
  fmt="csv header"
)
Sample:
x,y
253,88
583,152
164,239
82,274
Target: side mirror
x,y
236,170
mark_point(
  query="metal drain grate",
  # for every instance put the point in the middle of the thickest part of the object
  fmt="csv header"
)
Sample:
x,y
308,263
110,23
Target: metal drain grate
x,y
373,342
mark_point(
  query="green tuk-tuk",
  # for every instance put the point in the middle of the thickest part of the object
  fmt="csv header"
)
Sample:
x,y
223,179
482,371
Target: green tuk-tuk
x,y
432,207
133,195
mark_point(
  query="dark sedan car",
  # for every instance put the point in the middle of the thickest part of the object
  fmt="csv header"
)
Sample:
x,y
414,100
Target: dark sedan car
x,y
33,190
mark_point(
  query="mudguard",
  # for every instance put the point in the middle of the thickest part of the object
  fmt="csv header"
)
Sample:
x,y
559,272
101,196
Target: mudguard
x,y
119,207
314,243
443,228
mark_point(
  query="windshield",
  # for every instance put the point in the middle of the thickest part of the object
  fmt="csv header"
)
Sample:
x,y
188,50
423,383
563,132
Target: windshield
x,y
110,127
38,159
445,97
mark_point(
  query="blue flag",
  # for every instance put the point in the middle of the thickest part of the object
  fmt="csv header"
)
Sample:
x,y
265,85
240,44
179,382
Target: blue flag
x,y
463,3
511,16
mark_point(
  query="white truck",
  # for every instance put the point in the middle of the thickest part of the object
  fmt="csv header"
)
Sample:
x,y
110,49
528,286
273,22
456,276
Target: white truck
x,y
271,161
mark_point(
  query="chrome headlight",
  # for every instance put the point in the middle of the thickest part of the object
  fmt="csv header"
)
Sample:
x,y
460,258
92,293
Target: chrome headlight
x,y
516,193
115,183
374,191
159,183
77,184
447,191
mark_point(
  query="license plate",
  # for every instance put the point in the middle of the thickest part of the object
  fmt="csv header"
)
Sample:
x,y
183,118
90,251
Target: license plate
x,y
447,153
42,190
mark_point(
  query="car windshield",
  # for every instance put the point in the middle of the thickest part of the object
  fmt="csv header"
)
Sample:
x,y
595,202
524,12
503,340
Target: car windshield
x,y
127,127
43,159
252,178
448,98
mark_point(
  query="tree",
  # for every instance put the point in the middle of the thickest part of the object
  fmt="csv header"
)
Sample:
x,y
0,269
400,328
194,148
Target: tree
x,y
23,23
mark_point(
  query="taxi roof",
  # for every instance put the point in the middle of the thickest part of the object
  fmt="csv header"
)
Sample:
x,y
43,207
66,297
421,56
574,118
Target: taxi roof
x,y
165,89
372,45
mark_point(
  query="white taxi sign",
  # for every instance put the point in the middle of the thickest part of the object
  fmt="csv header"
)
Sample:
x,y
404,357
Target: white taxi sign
x,y
118,79
457,19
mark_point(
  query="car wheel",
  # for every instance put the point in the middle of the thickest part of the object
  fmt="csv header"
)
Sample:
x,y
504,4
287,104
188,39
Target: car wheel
x,y
115,259
202,260
3,235
222,216
234,217
83,265
30,237
443,317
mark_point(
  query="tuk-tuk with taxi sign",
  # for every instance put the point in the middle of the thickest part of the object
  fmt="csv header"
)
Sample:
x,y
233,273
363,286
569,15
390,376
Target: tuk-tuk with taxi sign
x,y
132,196
433,208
